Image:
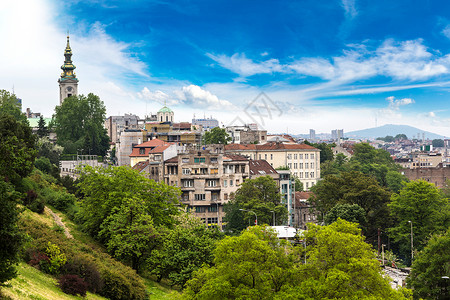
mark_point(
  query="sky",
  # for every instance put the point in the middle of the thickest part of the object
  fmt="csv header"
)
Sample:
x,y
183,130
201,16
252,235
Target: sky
x,y
288,66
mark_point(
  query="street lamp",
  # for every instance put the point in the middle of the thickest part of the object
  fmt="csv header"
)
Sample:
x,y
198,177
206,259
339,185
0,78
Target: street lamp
x,y
273,213
256,217
412,247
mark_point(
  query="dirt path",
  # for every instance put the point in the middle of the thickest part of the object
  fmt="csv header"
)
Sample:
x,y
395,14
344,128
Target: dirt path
x,y
59,222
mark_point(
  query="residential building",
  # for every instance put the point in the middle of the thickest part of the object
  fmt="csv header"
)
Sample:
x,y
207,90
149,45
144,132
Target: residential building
x,y
312,134
116,124
437,176
71,167
304,211
182,133
127,140
302,160
205,123
337,134
246,134
287,189
160,149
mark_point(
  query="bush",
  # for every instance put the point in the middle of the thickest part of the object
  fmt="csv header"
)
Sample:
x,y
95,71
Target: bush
x,y
57,259
43,164
37,206
119,286
35,258
73,285
86,269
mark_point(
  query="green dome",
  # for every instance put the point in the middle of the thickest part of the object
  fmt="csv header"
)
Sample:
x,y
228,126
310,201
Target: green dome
x,y
165,109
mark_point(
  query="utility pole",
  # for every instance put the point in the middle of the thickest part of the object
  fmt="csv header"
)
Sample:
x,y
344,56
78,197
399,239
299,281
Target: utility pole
x,y
412,246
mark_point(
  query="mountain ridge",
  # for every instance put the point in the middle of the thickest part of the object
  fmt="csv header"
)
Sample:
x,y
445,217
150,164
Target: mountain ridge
x,y
393,130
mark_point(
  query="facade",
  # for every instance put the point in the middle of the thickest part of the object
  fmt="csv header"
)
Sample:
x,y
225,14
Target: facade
x,y
68,82
183,133
159,149
287,189
206,123
127,140
246,134
304,212
312,134
70,167
437,176
116,124
207,179
425,160
302,160
337,134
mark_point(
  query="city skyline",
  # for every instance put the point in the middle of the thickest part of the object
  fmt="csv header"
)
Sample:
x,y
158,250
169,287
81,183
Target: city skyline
x,y
334,64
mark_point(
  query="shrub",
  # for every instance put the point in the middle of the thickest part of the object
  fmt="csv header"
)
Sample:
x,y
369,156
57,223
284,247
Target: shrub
x,y
35,257
43,164
30,196
119,286
86,269
73,285
57,259
37,206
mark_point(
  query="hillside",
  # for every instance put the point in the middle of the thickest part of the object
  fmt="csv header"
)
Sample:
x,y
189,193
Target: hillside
x,y
393,130
34,284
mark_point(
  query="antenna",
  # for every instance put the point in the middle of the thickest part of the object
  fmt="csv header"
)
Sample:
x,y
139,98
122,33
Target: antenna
x,y
13,90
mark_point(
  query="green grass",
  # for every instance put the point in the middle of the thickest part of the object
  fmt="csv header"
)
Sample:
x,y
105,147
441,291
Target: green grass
x,y
33,284
157,291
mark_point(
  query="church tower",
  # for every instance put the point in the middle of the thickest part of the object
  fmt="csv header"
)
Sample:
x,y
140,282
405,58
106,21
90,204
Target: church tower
x,y
68,83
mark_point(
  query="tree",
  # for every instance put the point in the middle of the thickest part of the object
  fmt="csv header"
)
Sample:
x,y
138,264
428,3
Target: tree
x,y
42,129
349,212
298,184
340,265
10,105
254,265
78,124
326,151
260,196
10,236
401,136
216,135
421,203
129,231
395,181
17,152
438,143
355,188
184,250
429,268
50,150
105,189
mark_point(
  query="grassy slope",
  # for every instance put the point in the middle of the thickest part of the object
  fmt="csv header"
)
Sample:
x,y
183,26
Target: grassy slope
x,y
33,284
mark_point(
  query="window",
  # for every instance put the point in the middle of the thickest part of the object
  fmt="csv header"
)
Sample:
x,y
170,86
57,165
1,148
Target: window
x,y
265,156
225,196
214,171
185,160
260,156
289,165
312,165
295,165
311,175
186,171
212,183
289,156
231,182
185,197
300,165
200,209
214,160
141,150
225,183
212,208
300,175
295,174
295,156
158,157
306,156
306,165
306,174
312,156
271,156
202,159
188,183
307,185
199,160
212,221
242,169
199,197
214,196
300,156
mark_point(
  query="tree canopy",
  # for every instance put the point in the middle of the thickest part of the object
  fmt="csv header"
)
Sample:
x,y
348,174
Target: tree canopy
x,y
437,143
216,135
421,203
10,105
78,124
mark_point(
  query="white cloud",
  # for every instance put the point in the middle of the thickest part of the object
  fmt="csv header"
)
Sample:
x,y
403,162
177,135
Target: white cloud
x,y
431,114
395,104
446,31
195,95
349,7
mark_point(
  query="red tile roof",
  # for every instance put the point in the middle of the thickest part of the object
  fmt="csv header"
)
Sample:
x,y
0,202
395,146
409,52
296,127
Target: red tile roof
x,y
149,147
235,157
151,143
172,160
140,166
261,167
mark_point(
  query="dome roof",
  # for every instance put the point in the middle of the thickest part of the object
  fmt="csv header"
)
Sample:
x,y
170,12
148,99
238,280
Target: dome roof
x,y
165,109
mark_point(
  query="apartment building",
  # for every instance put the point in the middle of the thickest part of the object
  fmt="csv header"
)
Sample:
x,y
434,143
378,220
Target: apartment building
x,y
302,160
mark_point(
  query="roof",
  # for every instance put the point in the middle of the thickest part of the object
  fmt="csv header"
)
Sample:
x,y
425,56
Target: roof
x,y
165,109
235,158
261,167
151,144
301,198
140,166
269,146
160,149
172,160
181,126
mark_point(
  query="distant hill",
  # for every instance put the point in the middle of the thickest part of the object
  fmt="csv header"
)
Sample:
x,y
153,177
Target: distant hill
x,y
393,130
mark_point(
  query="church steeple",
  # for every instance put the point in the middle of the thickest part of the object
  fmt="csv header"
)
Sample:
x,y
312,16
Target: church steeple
x,y
68,82
68,66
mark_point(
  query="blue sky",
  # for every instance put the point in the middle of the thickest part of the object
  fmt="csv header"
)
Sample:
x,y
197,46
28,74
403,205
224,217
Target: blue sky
x,y
324,65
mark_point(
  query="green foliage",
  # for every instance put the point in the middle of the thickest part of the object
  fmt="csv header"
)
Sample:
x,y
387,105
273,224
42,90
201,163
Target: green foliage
x,y
254,265
10,105
104,190
298,184
86,269
78,123
401,136
355,188
326,151
16,149
429,267
387,139
395,181
10,236
129,232
184,250
42,129
349,212
73,285
340,265
216,135
57,259
261,196
438,143
421,203
49,150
